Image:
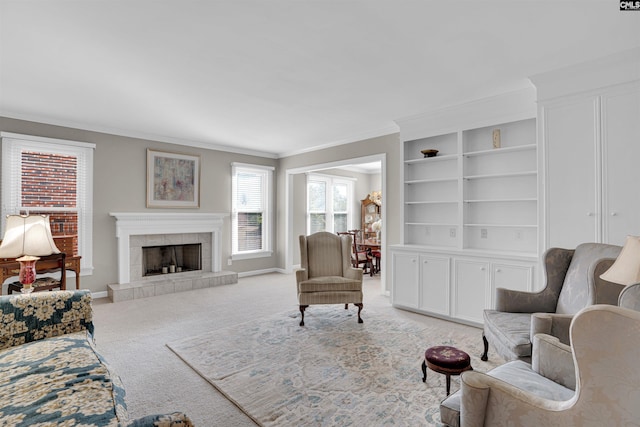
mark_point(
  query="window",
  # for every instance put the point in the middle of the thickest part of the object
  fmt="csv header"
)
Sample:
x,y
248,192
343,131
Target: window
x,y
252,194
51,177
329,201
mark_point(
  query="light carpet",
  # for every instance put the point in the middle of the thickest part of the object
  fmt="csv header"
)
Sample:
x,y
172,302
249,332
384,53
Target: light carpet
x,y
331,372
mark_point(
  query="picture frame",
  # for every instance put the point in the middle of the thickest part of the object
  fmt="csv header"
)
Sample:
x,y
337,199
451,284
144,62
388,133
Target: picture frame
x,y
173,180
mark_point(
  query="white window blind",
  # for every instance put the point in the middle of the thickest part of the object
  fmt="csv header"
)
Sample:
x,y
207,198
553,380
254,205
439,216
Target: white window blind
x,y
15,149
251,210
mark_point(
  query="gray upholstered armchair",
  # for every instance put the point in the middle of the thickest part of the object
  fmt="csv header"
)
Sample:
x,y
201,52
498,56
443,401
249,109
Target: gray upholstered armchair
x,y
572,283
602,388
326,276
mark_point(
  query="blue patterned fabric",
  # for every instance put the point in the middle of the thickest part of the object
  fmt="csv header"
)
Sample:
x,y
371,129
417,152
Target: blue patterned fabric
x,y
58,381
26,318
50,371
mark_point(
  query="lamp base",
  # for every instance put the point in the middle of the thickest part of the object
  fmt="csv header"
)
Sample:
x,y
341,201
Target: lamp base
x,y
26,290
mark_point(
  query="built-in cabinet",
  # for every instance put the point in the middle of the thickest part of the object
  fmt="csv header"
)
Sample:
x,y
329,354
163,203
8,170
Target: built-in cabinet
x,y
470,213
516,174
452,284
591,149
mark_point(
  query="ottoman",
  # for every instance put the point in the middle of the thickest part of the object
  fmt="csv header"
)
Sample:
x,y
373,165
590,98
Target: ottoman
x,y
446,360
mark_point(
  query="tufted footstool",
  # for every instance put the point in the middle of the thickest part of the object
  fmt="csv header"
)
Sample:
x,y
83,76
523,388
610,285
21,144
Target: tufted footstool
x,y
446,360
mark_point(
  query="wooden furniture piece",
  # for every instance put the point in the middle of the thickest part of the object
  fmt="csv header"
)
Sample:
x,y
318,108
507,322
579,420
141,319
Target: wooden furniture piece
x,y
369,213
360,254
9,267
445,360
46,264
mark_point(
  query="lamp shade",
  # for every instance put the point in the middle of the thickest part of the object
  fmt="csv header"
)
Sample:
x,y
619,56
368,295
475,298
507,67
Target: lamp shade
x,y
626,268
27,235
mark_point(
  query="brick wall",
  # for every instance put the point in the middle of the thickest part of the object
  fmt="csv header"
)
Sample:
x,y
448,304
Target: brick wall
x,y
50,180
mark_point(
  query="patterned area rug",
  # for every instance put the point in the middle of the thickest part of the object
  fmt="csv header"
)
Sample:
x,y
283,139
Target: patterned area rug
x,y
333,371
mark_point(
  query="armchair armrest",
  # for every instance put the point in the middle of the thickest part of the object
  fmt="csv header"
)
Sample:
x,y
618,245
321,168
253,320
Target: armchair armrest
x,y
556,325
302,275
556,262
480,390
31,317
353,273
554,360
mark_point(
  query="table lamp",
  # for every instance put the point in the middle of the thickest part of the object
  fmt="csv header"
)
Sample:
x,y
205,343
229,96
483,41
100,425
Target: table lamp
x,y
626,268
26,238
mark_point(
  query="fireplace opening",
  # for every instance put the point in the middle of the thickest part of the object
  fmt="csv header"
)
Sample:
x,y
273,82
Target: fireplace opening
x,y
169,259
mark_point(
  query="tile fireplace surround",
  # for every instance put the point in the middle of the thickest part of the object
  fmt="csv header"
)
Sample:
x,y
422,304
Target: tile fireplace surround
x,y
135,230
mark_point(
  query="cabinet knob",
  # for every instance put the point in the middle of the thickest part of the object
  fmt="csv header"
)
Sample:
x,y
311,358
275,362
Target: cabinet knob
x,y
589,213
482,268
614,213
498,270
425,261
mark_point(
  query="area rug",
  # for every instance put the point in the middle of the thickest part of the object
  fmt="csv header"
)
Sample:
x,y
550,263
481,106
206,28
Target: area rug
x,y
333,371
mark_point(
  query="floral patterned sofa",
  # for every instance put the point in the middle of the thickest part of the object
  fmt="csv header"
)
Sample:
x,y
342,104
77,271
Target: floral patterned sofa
x,y
50,372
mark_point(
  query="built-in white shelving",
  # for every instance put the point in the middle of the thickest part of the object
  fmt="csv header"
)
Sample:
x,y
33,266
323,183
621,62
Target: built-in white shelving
x,y
479,192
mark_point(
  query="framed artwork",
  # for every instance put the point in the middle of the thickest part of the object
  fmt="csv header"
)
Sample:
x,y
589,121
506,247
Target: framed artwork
x,y
173,180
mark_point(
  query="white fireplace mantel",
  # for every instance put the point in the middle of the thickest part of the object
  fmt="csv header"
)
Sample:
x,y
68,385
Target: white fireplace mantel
x,y
148,223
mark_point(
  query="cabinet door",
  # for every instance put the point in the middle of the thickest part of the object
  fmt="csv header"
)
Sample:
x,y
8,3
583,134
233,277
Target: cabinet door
x,y
470,290
434,284
405,279
510,276
621,151
570,153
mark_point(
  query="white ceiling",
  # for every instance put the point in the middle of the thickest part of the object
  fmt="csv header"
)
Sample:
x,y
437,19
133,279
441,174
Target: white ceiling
x,y
280,77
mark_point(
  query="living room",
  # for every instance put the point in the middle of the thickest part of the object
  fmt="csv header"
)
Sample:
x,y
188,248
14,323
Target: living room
x,y
308,87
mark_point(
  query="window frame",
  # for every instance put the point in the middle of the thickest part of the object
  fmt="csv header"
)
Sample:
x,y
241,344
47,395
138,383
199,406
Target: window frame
x,y
12,147
330,181
267,213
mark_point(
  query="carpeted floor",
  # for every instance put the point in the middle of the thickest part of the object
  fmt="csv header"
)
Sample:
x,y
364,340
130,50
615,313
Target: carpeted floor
x,y
132,336
332,372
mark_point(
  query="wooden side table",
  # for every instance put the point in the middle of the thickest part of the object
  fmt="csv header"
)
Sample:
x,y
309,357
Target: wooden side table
x,y
42,284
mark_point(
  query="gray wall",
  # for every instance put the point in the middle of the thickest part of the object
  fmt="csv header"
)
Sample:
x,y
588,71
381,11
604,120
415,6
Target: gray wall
x,y
388,145
120,186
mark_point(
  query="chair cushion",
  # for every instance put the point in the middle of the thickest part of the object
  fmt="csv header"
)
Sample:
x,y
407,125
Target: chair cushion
x,y
329,284
509,333
517,373
447,357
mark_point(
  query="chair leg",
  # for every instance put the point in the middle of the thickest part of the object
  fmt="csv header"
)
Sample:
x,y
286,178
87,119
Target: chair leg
x,y
302,307
346,306
484,356
360,305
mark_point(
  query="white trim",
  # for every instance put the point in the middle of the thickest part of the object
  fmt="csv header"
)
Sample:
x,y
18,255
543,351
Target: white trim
x,y
251,166
30,138
289,237
13,144
138,135
361,136
141,223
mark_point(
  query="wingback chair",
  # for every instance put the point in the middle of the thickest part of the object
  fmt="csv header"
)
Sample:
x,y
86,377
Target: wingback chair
x,y
572,283
327,276
605,392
